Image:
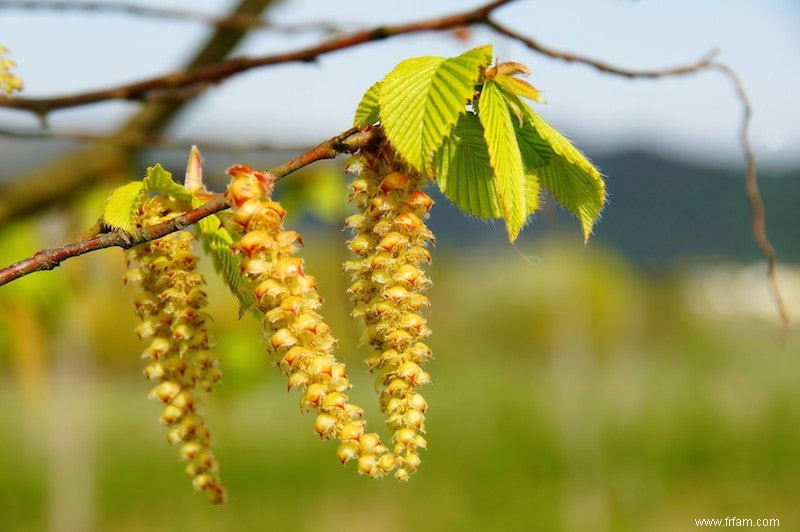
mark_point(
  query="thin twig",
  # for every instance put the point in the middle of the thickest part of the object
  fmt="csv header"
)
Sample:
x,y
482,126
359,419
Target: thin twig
x,y
200,78
759,221
137,140
704,62
47,259
750,176
233,21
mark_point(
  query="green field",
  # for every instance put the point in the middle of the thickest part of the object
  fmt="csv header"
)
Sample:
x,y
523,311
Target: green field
x,y
570,393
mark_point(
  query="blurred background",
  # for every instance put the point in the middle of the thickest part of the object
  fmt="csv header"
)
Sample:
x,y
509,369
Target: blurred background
x,y
635,383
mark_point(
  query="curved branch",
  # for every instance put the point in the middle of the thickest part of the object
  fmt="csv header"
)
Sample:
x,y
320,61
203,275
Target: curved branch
x,y
47,259
758,221
536,46
759,217
198,79
135,139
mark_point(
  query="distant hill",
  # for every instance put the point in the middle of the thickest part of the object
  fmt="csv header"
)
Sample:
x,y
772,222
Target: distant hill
x,y
661,211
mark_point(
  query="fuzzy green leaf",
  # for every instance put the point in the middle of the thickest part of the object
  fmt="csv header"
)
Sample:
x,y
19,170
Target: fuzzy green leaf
x,y
464,174
536,152
218,242
368,111
122,206
158,180
422,98
532,192
505,156
569,176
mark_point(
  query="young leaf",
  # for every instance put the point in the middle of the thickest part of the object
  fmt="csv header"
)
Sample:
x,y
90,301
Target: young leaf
x,y
505,156
569,177
536,152
368,111
157,179
122,206
519,87
464,174
422,98
217,242
532,191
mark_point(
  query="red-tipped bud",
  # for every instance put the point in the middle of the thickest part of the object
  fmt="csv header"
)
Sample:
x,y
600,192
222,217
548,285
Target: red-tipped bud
x,y
282,338
287,238
408,221
255,241
418,198
241,191
288,267
392,241
361,244
294,356
394,181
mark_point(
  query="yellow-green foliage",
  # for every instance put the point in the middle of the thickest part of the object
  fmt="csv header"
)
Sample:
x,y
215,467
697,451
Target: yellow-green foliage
x,y
8,82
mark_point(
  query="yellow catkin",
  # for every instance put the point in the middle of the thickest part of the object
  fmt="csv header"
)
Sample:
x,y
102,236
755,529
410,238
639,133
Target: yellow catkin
x,y
299,338
173,323
390,247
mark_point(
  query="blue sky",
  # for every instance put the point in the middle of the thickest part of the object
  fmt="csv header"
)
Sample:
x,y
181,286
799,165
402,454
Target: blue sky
x,y
695,117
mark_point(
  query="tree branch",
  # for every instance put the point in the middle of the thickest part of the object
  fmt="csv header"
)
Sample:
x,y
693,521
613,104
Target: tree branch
x,y
758,221
101,159
759,216
239,21
346,142
135,139
199,78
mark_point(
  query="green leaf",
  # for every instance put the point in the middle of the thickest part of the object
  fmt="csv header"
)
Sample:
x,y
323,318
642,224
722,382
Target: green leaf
x,y
532,192
422,98
464,174
218,242
505,156
569,176
158,180
368,111
122,207
536,152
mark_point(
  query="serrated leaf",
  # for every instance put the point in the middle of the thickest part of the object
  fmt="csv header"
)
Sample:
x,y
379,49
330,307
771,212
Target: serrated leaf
x,y
464,174
505,156
122,207
536,152
569,176
218,242
368,111
422,98
158,180
532,192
